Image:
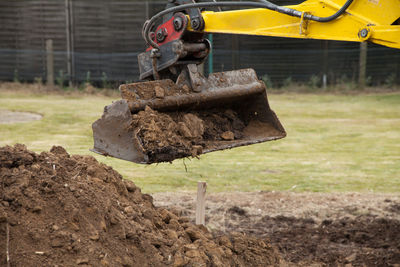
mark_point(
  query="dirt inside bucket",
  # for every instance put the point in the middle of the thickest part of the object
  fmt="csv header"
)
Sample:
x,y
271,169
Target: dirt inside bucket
x,y
165,133
58,209
165,136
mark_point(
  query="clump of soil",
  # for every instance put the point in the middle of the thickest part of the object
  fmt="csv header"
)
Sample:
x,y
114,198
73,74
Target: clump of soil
x,y
70,210
151,90
159,135
167,136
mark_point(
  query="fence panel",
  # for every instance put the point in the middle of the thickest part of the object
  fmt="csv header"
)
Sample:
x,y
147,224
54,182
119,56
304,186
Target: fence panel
x,y
106,38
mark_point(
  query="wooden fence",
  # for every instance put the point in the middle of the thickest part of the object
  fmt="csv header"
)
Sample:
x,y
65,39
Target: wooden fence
x,y
99,40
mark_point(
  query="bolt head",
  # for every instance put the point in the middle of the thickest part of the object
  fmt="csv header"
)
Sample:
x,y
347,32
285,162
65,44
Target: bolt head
x,y
363,33
178,23
161,35
195,23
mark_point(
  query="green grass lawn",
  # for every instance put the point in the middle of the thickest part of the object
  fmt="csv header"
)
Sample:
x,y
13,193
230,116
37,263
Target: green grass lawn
x,y
335,143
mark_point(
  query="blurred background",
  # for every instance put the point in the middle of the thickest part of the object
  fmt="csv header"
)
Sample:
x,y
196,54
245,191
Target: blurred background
x,y
98,42
345,139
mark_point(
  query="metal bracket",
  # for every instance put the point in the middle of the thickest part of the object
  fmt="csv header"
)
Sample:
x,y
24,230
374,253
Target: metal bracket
x,y
198,81
154,54
196,19
303,24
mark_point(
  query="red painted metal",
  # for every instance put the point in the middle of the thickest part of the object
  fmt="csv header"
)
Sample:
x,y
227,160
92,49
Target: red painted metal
x,y
169,28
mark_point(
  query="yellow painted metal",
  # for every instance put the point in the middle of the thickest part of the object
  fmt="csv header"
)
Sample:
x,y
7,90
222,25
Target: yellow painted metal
x,y
376,16
388,36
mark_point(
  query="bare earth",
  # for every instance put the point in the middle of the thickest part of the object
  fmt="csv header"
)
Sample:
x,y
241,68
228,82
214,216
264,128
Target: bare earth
x,y
319,229
67,210
9,117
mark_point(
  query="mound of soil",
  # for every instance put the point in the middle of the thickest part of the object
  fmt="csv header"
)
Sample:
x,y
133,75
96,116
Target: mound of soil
x,y
166,136
63,210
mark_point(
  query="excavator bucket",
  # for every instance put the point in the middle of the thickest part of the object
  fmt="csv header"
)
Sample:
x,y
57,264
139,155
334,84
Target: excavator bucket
x,y
159,121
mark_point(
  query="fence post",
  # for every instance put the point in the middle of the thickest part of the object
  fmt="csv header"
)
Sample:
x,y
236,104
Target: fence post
x,y
68,31
210,56
49,62
362,65
201,203
147,8
325,64
235,52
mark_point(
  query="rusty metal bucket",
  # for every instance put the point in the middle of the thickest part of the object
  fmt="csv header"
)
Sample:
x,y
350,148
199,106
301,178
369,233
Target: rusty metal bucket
x,y
235,96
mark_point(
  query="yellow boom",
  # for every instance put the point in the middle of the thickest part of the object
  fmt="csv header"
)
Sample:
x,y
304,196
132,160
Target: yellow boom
x,y
191,114
376,21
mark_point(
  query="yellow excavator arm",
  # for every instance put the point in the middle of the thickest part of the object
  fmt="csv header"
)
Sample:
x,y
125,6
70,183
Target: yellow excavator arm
x,y
376,21
181,113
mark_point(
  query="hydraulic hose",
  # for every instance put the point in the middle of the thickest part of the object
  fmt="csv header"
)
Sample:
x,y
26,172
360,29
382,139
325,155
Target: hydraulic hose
x,y
334,16
315,18
262,4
